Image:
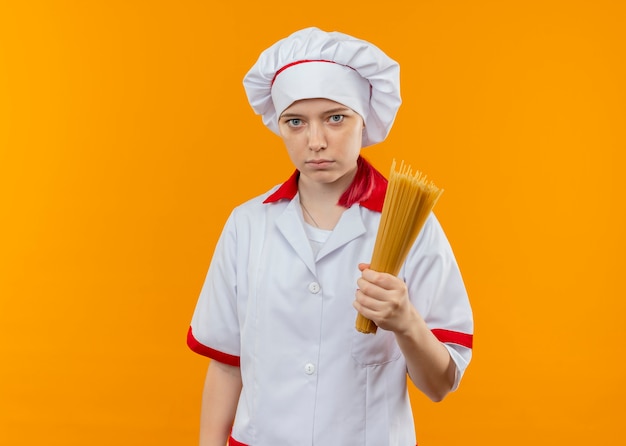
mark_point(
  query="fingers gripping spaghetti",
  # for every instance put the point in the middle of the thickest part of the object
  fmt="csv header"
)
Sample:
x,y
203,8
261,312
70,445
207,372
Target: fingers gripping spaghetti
x,y
409,200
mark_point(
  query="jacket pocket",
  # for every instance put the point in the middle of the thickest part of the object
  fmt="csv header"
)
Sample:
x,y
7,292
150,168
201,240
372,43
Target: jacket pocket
x,y
375,349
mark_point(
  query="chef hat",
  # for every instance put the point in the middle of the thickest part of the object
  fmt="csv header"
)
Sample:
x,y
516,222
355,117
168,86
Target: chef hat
x,y
312,63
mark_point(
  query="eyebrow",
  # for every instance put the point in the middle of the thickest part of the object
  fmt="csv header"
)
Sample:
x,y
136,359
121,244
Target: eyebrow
x,y
332,111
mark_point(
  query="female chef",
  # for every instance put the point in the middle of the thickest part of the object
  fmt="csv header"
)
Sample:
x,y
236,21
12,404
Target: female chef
x,y
277,311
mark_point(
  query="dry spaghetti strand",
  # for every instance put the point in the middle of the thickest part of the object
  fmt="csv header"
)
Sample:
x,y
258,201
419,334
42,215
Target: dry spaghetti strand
x,y
409,200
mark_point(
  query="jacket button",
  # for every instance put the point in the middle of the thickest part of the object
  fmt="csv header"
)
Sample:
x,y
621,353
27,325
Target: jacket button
x,y
314,287
309,368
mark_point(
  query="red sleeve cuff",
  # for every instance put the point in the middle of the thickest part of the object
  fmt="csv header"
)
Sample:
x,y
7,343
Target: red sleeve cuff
x,y
203,350
454,337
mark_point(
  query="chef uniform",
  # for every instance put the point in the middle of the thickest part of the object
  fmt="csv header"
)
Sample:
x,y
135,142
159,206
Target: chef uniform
x,y
277,299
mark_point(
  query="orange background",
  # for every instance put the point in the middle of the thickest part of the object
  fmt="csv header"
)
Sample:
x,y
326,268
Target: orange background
x,y
126,139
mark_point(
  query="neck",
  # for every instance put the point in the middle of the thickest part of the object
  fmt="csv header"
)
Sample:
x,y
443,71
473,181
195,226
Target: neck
x,y
320,202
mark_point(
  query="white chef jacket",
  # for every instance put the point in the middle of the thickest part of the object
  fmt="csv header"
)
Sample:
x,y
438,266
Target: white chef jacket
x,y
286,318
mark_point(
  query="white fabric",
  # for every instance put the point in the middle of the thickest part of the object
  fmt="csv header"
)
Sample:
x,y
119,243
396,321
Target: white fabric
x,y
321,80
309,377
317,237
380,71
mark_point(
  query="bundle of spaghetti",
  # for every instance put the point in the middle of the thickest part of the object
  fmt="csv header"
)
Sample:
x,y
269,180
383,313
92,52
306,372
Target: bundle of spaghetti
x,y
408,202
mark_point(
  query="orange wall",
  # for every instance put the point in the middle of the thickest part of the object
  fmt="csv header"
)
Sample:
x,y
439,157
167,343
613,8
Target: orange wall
x,y
126,138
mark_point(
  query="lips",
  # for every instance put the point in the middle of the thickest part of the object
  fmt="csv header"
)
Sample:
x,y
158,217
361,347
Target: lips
x,y
319,163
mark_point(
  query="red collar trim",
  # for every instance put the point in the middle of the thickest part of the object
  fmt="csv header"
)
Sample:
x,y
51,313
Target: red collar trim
x,y
377,198
289,189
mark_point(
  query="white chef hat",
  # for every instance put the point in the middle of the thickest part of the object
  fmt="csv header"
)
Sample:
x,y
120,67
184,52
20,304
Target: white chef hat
x,y
312,63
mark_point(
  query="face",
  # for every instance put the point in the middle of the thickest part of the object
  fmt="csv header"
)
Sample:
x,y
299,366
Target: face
x,y
323,139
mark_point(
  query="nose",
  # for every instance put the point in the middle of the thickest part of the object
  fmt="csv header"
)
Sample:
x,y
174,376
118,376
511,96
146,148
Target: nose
x,y
317,138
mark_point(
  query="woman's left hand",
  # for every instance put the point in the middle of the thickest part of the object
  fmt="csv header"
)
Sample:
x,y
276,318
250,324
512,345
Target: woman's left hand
x,y
384,299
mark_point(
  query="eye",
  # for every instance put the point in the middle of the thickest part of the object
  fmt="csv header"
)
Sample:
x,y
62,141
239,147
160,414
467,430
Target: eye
x,y
336,118
294,122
